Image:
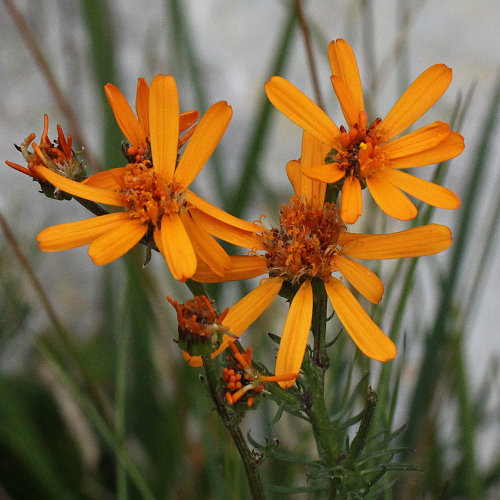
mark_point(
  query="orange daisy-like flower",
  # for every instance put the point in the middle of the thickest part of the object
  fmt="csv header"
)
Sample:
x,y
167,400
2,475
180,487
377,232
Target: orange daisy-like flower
x,y
369,155
155,194
310,245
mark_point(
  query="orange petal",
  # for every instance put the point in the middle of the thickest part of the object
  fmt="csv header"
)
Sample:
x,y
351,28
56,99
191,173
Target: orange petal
x,y
345,237
142,105
301,110
226,232
220,214
313,153
117,242
450,147
187,119
244,313
250,307
124,115
107,179
344,66
202,144
351,200
415,242
389,198
346,100
174,244
294,173
420,97
295,332
19,168
77,234
366,283
327,172
369,338
78,189
421,140
205,247
164,125
243,267
428,192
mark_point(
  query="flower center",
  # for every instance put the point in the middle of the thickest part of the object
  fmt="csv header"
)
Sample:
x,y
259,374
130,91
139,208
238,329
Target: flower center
x,y
146,197
198,318
362,152
305,243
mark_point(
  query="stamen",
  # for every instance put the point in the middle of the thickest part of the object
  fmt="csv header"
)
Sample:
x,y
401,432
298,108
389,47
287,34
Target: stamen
x,y
146,199
305,243
361,153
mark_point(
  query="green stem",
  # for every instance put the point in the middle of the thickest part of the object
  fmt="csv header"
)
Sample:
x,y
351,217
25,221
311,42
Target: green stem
x,y
197,289
314,371
358,443
318,326
324,431
249,462
91,206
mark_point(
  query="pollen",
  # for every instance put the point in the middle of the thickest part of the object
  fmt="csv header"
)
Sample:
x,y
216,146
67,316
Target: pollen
x,y
304,244
362,153
148,199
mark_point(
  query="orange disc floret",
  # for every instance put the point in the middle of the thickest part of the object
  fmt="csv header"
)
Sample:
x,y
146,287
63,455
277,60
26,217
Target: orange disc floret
x,y
199,325
304,244
147,199
57,156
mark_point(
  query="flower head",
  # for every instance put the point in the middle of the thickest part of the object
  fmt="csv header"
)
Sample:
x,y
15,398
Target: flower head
x,y
154,195
57,156
370,155
200,327
312,245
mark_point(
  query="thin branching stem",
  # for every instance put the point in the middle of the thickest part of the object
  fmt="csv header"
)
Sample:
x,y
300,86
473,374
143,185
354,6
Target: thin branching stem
x,y
231,424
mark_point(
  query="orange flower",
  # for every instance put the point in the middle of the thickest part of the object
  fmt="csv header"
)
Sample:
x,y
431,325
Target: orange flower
x,y
58,157
155,194
311,245
370,155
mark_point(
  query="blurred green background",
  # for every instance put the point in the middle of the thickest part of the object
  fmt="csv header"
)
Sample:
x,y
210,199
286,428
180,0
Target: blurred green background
x,y
95,400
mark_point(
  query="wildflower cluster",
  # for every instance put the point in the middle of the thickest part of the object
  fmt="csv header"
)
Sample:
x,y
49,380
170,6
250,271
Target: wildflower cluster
x,y
309,258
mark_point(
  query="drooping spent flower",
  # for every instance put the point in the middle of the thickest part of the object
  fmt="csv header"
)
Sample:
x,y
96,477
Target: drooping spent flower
x,y
312,246
155,197
373,156
200,327
57,156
